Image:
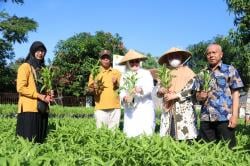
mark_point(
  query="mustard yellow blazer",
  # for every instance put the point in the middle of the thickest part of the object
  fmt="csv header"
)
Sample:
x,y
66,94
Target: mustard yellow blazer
x,y
26,88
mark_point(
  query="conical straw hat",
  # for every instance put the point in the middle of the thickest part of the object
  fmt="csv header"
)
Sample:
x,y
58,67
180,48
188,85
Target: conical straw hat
x,y
174,51
131,55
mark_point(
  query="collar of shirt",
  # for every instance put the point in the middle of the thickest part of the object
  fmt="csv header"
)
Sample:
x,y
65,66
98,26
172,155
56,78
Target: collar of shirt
x,y
219,66
103,70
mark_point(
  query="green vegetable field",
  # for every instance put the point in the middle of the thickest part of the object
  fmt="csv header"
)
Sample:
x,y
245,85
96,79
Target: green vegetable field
x,y
74,140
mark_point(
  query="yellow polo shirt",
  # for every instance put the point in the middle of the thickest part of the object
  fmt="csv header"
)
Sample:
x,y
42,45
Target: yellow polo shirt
x,y
106,97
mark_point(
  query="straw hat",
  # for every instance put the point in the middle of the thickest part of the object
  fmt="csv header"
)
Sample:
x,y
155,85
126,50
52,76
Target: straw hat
x,y
174,51
131,55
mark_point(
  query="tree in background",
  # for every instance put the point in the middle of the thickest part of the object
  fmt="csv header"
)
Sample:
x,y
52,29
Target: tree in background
x,y
236,46
232,55
13,29
241,36
73,55
150,63
198,60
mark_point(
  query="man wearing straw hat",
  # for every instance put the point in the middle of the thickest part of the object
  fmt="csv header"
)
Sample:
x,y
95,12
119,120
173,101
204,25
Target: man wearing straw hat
x,y
136,86
178,118
107,102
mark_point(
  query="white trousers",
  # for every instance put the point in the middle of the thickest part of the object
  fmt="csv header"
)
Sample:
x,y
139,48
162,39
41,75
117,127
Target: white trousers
x,y
108,117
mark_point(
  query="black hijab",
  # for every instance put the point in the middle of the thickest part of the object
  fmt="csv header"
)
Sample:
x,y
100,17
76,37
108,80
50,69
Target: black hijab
x,y
36,63
31,59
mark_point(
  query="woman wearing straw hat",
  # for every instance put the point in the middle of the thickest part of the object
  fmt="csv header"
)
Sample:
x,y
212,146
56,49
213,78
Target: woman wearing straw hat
x,y
136,86
178,119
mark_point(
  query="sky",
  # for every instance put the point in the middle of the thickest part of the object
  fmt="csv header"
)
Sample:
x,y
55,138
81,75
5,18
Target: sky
x,y
149,26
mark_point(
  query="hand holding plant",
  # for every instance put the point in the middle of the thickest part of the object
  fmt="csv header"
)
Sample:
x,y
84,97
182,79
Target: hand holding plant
x,y
170,96
205,77
46,79
93,67
201,96
165,78
138,90
129,86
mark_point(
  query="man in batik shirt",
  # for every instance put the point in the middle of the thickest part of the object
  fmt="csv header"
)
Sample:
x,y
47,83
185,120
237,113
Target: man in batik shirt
x,y
220,105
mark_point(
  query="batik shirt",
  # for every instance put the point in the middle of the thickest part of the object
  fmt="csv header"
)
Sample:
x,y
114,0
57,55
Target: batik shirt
x,y
218,106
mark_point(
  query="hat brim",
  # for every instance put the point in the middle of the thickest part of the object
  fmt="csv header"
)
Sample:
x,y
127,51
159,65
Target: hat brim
x,y
132,55
164,60
123,61
106,55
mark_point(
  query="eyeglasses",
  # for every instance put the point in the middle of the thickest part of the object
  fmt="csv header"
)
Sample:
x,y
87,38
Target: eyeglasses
x,y
134,61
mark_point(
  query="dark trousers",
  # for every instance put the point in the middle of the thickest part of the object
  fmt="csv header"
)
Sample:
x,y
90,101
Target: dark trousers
x,y
32,125
216,131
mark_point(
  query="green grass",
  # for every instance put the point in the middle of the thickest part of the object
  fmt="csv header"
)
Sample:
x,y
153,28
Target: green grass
x,y
76,141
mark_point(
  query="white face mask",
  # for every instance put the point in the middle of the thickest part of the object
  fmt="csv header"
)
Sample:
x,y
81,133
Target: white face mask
x,y
175,62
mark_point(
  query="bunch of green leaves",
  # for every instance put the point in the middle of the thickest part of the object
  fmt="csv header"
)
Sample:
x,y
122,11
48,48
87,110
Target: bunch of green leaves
x,y
205,77
130,79
46,78
95,70
93,67
164,76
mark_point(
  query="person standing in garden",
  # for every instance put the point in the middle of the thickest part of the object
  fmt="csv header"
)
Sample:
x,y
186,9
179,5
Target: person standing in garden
x,y
104,87
220,103
31,123
135,93
178,118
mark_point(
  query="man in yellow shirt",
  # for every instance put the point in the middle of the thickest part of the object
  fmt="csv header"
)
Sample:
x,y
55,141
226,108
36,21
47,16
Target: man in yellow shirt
x,y
104,87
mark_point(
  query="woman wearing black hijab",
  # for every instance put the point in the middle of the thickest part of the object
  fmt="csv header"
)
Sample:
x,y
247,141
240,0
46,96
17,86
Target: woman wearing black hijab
x,y
31,124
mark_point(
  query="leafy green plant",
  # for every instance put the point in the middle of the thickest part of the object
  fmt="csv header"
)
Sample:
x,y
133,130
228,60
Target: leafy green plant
x,y
95,70
93,66
130,79
206,78
164,76
46,78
